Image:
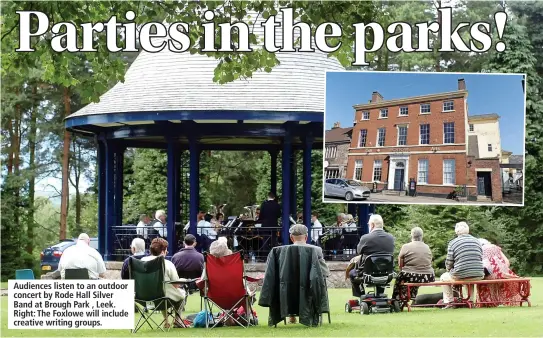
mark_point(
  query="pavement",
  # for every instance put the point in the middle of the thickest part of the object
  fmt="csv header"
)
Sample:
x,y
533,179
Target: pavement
x,y
381,198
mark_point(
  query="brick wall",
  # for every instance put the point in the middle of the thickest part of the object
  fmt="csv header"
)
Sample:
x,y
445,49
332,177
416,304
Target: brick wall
x,y
435,170
435,119
496,176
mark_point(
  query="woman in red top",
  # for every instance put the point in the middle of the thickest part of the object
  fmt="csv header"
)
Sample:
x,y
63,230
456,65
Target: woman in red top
x,y
496,266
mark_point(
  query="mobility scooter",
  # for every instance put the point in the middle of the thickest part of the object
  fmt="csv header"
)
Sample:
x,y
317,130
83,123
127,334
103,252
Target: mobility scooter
x,y
377,271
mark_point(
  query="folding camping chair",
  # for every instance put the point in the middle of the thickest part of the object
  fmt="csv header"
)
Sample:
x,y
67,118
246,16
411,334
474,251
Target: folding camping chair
x,y
24,274
150,297
225,286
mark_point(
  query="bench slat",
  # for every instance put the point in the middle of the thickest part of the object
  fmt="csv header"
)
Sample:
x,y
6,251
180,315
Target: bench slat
x,y
483,281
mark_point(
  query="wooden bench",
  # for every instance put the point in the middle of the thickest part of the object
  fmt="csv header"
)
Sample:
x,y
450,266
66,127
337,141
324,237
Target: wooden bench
x,y
466,301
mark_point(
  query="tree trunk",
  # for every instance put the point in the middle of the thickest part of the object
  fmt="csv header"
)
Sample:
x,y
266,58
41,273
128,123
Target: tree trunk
x,y
11,146
32,167
65,170
16,148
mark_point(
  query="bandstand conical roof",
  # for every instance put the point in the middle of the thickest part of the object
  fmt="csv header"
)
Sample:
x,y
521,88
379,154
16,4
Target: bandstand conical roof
x,y
179,87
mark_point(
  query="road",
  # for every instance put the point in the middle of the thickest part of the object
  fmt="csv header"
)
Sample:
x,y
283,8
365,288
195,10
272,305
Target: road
x,y
380,198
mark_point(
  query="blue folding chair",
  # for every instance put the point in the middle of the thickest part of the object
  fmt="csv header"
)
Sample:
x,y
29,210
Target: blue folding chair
x,y
24,274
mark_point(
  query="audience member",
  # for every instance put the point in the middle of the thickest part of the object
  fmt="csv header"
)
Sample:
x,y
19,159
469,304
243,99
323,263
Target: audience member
x,y
219,248
159,247
464,261
298,236
415,261
496,266
82,256
138,251
376,242
188,262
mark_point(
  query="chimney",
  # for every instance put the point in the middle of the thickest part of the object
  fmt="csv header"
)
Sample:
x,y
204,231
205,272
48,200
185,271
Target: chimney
x,y
461,84
376,97
336,125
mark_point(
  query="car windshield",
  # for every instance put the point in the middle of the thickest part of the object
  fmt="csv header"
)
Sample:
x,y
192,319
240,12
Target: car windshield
x,y
353,183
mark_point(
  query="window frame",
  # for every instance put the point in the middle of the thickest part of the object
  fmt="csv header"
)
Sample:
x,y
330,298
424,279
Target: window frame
x,y
406,131
448,110
379,135
381,113
406,109
471,127
429,109
360,145
331,150
362,118
453,173
420,133
489,147
377,164
358,169
419,171
445,132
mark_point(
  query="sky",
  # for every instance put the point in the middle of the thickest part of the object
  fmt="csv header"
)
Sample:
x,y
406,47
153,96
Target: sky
x,y
487,93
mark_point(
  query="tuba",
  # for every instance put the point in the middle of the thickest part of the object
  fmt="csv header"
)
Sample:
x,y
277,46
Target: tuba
x,y
249,212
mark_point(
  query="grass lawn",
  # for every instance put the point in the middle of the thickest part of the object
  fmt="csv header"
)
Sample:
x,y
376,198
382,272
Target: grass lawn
x,y
502,321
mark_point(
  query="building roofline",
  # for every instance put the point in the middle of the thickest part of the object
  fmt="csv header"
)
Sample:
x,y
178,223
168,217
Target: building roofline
x,y
446,95
483,117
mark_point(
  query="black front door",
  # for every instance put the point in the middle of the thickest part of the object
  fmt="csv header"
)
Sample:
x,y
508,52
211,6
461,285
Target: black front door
x,y
398,179
484,184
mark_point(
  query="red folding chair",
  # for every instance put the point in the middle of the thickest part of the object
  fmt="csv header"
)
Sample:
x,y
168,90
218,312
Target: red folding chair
x,y
226,288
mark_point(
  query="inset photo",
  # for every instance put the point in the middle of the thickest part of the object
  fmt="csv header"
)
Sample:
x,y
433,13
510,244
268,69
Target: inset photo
x,y
424,138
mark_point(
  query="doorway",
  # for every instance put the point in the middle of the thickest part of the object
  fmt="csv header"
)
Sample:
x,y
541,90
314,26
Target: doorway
x,y
399,174
484,184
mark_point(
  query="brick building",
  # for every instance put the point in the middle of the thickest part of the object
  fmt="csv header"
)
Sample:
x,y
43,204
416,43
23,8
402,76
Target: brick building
x,y
338,141
424,138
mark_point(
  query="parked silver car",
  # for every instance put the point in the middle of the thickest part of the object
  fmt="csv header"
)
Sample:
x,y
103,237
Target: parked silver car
x,y
347,189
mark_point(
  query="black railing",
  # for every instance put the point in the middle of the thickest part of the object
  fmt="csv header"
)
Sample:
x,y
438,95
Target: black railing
x,y
337,243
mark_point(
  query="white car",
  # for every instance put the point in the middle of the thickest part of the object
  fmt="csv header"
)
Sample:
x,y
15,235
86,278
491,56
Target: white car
x,y
347,189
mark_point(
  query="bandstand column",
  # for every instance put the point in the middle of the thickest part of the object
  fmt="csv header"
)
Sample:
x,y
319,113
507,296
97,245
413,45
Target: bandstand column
x,y
293,186
109,198
101,159
363,218
172,192
286,186
307,181
194,183
273,174
119,184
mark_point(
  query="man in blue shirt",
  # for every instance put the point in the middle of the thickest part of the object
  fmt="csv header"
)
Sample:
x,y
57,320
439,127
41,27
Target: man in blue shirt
x,y
138,251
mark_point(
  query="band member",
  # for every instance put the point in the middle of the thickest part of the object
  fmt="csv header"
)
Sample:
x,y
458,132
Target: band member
x,y
270,211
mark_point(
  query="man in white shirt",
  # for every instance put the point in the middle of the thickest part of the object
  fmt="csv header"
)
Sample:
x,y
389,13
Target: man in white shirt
x,y
160,226
82,256
141,228
199,217
316,228
204,227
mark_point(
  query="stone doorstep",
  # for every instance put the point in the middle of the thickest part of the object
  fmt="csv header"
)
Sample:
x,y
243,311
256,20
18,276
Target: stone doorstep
x,y
335,280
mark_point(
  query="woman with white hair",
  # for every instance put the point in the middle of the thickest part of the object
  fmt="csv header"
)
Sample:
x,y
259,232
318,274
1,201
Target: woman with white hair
x,y
496,266
415,261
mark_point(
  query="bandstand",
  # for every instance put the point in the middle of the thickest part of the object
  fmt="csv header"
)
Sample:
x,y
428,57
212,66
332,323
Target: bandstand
x,y
169,101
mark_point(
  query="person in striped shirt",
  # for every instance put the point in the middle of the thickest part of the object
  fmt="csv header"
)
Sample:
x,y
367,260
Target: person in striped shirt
x,y
464,261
